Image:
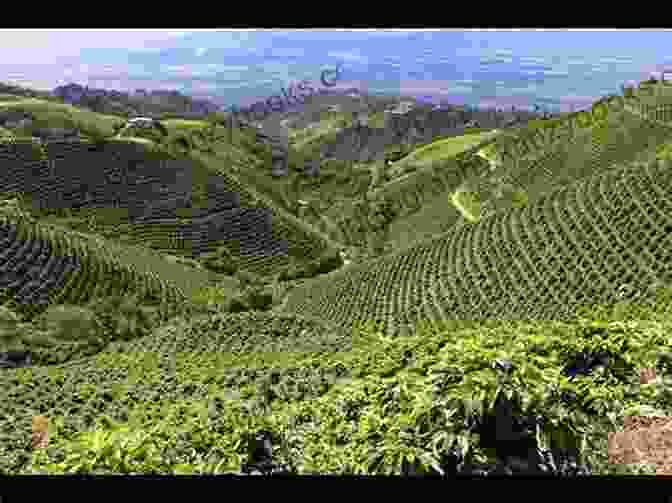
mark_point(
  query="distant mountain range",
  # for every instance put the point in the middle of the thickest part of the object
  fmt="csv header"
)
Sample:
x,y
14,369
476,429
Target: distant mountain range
x,y
146,103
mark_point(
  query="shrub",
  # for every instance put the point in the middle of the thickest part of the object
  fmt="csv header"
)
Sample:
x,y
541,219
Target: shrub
x,y
126,317
11,328
16,205
249,279
59,334
72,323
291,272
519,198
211,298
220,261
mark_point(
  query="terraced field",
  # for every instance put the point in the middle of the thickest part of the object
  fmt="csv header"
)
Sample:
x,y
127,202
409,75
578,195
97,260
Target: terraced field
x,y
548,155
216,206
43,265
574,246
578,145
527,164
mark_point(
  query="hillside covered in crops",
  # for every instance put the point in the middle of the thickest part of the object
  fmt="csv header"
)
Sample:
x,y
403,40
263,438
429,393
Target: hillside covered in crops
x,y
475,301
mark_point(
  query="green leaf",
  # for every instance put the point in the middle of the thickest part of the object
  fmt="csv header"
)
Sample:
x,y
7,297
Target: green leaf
x,y
184,469
428,460
464,443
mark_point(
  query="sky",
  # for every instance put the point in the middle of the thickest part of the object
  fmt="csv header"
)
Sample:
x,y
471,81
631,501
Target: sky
x,y
34,46
487,67
50,46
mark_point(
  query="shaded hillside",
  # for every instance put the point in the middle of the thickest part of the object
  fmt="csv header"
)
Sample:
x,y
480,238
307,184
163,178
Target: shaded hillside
x,y
149,197
43,265
13,90
366,135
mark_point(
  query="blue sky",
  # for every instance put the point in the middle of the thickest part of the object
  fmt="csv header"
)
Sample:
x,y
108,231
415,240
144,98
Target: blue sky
x,y
35,46
486,67
49,46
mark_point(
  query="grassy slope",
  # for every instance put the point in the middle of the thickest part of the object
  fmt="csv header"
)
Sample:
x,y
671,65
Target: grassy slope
x,y
307,138
63,116
442,149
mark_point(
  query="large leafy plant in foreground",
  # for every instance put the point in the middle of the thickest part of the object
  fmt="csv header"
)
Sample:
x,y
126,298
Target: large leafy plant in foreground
x,y
420,401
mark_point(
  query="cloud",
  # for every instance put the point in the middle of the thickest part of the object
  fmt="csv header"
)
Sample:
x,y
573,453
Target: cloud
x,y
348,56
492,60
532,61
47,46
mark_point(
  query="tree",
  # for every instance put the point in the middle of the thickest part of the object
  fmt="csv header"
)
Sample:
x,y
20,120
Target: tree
x,y
180,143
162,129
98,138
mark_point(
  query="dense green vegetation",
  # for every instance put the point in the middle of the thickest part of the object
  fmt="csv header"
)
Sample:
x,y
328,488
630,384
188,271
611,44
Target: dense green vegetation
x,y
378,343
442,149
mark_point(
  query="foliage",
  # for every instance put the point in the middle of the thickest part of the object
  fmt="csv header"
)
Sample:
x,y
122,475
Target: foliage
x,y
221,260
386,401
15,206
71,322
145,366
519,198
12,328
469,204
125,317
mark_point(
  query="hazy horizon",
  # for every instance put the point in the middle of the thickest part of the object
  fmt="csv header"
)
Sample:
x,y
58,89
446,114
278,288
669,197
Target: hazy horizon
x,y
558,68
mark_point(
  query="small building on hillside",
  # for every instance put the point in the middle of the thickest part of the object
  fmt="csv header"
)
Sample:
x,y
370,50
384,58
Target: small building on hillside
x,y
147,123
360,118
403,108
